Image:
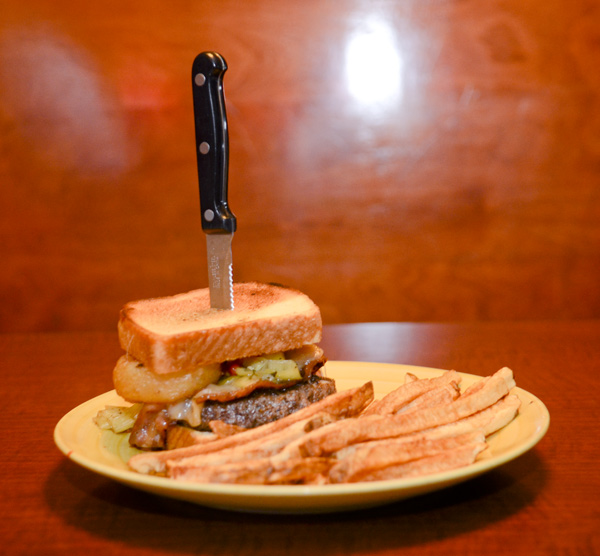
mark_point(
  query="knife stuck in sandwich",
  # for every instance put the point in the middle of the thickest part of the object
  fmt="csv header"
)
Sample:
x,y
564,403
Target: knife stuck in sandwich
x,y
193,364
212,151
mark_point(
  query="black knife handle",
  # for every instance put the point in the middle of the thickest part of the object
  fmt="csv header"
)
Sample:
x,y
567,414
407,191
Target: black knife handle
x,y
212,142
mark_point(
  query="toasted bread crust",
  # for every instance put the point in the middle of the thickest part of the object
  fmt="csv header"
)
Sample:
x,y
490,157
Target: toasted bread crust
x,y
181,332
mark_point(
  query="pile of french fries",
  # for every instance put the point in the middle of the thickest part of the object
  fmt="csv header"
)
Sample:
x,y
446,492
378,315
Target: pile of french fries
x,y
424,426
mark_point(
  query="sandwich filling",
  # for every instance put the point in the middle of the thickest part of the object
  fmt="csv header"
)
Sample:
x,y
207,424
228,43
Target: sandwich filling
x,y
246,393
188,366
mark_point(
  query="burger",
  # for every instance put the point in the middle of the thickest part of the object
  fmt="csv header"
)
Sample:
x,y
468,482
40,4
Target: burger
x,y
189,365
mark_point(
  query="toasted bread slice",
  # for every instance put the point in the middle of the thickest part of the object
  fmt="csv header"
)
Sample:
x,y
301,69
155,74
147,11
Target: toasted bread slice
x,y
181,332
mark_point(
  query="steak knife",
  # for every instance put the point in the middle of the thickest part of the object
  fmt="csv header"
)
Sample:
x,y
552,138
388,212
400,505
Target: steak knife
x,y
212,152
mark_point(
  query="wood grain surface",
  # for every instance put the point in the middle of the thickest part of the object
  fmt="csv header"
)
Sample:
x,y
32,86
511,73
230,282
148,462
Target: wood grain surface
x,y
543,503
396,160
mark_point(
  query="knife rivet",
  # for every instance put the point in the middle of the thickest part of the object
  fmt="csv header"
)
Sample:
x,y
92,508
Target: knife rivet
x,y
199,79
209,215
204,147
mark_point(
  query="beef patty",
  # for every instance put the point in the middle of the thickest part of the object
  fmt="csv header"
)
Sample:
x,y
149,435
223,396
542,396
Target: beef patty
x,y
264,406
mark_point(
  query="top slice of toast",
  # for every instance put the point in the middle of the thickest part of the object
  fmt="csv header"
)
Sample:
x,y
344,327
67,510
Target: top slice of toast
x,y
182,332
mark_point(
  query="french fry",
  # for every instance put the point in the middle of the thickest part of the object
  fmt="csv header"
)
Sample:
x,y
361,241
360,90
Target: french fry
x,y
260,448
488,420
367,458
222,429
333,437
300,470
409,391
346,403
476,386
251,472
439,395
437,463
180,437
258,471
424,426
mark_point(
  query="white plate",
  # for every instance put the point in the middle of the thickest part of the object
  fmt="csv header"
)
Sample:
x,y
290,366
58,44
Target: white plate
x,y
107,454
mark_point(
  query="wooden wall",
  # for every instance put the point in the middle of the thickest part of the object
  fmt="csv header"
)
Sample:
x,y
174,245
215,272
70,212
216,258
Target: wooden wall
x,y
400,160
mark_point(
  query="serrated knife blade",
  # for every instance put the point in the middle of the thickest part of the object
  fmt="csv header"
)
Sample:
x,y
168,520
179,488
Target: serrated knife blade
x,y
220,270
212,153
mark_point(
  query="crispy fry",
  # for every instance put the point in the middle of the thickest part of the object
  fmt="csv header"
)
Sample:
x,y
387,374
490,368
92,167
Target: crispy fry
x,y
259,448
180,437
255,471
437,463
222,429
341,404
300,470
476,386
400,397
333,437
488,420
258,471
369,457
425,426
440,395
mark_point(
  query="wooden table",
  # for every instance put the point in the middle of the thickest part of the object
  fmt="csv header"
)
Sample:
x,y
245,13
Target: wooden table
x,y
545,502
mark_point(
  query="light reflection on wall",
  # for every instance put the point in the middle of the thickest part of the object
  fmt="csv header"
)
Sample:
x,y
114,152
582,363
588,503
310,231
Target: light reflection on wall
x,y
374,66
